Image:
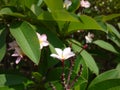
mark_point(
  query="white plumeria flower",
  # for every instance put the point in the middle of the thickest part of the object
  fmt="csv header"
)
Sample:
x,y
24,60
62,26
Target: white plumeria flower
x,y
67,4
17,53
63,54
42,40
89,37
85,4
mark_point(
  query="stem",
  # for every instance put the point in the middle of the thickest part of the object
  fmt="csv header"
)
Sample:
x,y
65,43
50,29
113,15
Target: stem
x,y
76,78
63,76
70,71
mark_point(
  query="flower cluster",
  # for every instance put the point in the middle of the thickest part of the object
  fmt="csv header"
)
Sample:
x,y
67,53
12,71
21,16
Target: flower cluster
x,y
85,4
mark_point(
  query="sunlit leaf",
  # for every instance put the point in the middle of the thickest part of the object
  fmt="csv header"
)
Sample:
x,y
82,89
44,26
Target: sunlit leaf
x,y
106,80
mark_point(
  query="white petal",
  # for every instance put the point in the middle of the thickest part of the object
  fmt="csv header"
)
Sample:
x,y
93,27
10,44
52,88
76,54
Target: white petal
x,y
66,51
43,37
45,43
59,52
71,54
18,60
56,56
38,35
15,54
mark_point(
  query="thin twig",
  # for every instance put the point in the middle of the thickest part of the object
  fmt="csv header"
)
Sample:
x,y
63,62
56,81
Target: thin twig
x,y
70,71
76,78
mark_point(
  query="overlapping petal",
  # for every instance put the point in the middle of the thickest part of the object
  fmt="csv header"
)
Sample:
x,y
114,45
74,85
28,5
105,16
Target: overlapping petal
x,y
63,54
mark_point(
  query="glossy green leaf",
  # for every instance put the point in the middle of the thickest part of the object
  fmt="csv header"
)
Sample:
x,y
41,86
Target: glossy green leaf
x,y
2,42
106,80
54,5
12,82
27,39
105,45
88,59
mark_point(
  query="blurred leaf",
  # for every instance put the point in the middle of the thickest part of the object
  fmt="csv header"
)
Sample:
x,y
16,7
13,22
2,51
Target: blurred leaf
x,y
107,17
112,29
2,42
88,59
27,39
57,85
11,12
75,5
54,5
106,80
12,82
58,16
83,24
105,45
119,25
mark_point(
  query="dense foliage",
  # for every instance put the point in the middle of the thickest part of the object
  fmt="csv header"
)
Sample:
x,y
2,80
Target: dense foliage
x,y
59,45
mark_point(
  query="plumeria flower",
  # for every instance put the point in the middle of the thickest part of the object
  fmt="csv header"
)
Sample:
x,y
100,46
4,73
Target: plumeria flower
x,y
67,4
85,4
63,54
12,45
42,40
89,37
17,53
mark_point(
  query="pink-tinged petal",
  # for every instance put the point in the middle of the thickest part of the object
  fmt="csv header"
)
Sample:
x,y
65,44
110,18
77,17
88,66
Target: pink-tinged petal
x,y
45,43
59,52
43,37
55,56
85,4
18,60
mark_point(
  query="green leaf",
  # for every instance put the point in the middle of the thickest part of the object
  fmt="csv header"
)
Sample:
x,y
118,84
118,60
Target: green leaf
x,y
107,18
105,45
54,5
83,24
10,11
106,80
2,42
88,59
57,16
12,82
112,29
54,42
27,39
